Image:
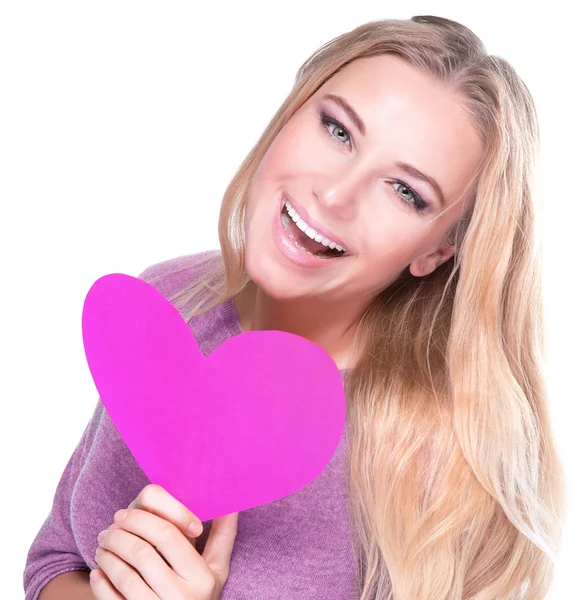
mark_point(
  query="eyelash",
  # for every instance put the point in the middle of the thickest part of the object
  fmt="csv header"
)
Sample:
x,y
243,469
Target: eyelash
x,y
419,205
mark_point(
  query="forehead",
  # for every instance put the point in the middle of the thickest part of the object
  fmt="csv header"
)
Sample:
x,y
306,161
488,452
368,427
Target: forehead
x,y
410,117
389,82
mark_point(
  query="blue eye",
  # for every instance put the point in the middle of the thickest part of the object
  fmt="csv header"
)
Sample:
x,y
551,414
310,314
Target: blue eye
x,y
416,202
326,121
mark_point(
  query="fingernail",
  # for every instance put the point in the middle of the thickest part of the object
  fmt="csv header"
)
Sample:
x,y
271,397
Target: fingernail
x,y
95,574
120,515
195,528
101,536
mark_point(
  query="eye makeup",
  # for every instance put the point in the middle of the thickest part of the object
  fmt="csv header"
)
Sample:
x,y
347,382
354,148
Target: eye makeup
x,y
418,204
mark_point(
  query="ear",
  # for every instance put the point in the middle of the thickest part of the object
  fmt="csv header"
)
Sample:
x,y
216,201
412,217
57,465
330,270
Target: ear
x,y
426,264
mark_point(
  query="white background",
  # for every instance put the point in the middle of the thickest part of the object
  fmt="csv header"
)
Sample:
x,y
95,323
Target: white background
x,y
121,124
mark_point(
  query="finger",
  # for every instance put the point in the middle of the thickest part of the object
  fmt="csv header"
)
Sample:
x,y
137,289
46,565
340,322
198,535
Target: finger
x,y
122,579
220,543
155,499
102,587
167,540
125,579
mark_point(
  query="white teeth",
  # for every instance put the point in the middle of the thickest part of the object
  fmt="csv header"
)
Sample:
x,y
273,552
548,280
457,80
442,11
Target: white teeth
x,y
294,216
310,231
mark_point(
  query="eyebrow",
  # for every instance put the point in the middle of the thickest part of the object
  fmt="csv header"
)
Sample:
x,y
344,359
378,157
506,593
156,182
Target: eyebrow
x,y
405,167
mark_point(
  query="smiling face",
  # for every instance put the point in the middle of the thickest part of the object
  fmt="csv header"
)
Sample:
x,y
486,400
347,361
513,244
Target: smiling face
x,y
346,183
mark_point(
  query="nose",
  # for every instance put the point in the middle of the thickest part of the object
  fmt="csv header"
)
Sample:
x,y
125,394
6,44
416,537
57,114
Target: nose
x,y
340,193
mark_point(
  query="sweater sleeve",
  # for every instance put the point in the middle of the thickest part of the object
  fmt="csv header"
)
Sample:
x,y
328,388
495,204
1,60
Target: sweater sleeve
x,y
59,545
54,550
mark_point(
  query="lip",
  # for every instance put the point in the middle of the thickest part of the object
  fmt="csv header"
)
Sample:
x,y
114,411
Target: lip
x,y
293,253
301,211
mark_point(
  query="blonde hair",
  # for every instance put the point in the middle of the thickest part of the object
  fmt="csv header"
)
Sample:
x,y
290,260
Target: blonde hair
x,y
456,486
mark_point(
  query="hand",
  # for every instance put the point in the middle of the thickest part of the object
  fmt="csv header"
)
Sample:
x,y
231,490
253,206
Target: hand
x,y
151,554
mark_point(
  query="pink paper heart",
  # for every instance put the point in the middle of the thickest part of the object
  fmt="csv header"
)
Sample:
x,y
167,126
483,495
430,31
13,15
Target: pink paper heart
x,y
256,420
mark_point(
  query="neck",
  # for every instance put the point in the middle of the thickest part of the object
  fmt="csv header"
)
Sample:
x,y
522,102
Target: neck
x,y
329,325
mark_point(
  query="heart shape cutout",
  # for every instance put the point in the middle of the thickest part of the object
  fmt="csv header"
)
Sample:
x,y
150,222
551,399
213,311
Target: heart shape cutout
x,y
256,420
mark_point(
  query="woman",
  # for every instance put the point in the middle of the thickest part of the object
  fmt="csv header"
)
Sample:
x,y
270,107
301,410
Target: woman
x,y
386,214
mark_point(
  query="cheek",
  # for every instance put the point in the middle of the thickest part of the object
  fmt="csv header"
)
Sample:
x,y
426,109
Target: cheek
x,y
256,195
294,152
252,221
389,248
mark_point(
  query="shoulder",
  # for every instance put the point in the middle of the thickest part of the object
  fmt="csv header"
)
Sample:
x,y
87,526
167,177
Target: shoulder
x,y
189,263
171,275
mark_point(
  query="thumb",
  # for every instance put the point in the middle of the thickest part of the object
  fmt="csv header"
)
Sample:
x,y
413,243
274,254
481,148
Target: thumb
x,y
220,543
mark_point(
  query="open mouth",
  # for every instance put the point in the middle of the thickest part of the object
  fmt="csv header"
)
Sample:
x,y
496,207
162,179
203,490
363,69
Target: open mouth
x,y
302,240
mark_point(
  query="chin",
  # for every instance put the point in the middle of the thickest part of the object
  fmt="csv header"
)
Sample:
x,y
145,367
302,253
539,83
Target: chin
x,y
274,280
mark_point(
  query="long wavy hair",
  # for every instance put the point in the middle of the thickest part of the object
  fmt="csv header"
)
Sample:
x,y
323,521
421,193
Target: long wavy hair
x,y
456,486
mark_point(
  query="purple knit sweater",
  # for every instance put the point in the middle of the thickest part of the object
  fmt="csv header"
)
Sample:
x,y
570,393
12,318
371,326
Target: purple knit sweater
x,y
298,547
